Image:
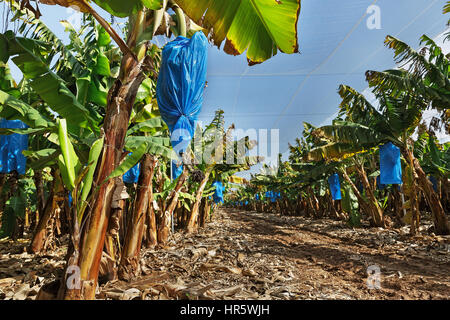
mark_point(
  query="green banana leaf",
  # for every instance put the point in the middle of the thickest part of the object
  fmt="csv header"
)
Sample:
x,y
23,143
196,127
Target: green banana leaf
x,y
27,55
129,161
94,156
121,8
258,26
28,131
15,109
350,205
42,159
146,126
68,162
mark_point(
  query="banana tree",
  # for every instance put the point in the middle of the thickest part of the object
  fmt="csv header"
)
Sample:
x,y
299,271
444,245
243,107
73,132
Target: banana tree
x,y
221,145
144,17
365,127
81,62
434,159
311,178
423,73
143,211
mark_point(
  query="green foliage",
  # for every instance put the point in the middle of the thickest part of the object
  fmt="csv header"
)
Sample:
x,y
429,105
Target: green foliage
x,y
68,161
120,8
31,57
350,205
256,26
13,108
130,161
23,199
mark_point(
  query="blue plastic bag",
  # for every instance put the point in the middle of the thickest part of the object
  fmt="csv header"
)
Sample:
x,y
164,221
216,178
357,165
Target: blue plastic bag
x,y
180,86
380,186
218,193
176,170
269,195
11,147
335,187
434,182
132,175
273,196
390,165
70,200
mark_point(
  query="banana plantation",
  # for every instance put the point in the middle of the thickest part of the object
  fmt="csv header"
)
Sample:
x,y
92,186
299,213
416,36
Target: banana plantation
x,y
112,188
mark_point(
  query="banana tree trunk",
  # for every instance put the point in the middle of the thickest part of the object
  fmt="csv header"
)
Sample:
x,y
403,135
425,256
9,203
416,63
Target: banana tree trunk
x,y
13,181
287,206
441,223
114,233
37,243
361,201
316,203
181,218
38,181
202,213
332,207
312,202
121,98
177,213
206,206
282,207
108,266
152,231
185,219
3,197
212,211
39,235
413,199
445,194
300,211
287,209
129,263
3,178
112,242
307,206
164,226
377,211
397,204
192,225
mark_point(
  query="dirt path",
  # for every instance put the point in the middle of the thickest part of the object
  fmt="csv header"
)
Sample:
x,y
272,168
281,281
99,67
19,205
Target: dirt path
x,y
332,260
242,255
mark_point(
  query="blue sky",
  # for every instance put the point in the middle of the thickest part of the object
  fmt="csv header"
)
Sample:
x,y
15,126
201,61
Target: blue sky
x,y
336,47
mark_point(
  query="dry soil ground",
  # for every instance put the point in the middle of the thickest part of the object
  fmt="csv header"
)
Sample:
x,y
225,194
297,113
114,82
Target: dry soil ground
x,y
248,255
